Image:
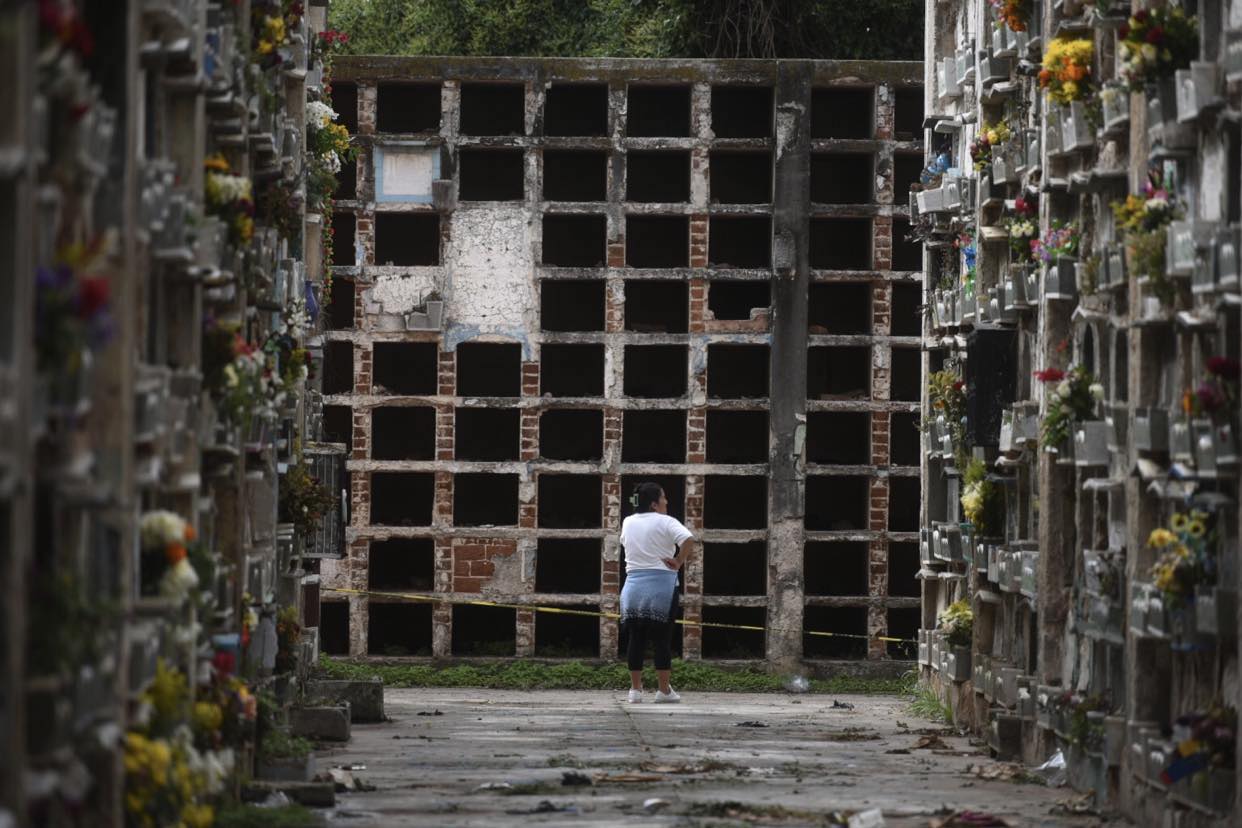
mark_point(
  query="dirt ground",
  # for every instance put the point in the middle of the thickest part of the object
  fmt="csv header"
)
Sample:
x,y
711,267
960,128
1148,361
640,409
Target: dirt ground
x,y
452,757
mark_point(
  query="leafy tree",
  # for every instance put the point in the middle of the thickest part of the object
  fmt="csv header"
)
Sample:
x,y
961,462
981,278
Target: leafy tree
x,y
841,29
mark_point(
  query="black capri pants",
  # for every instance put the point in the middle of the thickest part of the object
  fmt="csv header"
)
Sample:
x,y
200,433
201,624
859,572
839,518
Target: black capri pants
x,y
659,633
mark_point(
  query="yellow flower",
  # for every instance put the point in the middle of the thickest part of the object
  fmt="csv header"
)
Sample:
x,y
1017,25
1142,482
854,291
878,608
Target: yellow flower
x,y
208,716
1178,522
217,163
1070,89
198,816
1196,529
1161,538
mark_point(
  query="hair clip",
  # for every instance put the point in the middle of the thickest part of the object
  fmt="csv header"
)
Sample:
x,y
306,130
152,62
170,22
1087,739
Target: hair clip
x,y
634,500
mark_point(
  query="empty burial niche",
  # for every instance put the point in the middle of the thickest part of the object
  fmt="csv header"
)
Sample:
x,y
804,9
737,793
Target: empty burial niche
x,y
842,112
402,629
341,308
567,565
402,432
842,178
407,239
906,171
838,373
567,636
903,569
903,623
734,644
571,435
574,241
906,384
740,177
405,107
569,501
737,436
402,498
907,318
492,175
653,437
843,622
674,489
837,503
656,371
661,177
737,300
575,175
345,102
403,564
735,568
742,111
841,243
839,308
907,252
343,225
657,307
485,499
739,241
577,109
493,109
835,567
338,424
484,631
347,181
735,502
338,367
486,433
657,111
840,438
489,369
903,504
907,114
657,241
334,627
571,370
903,439
571,305
407,368
737,371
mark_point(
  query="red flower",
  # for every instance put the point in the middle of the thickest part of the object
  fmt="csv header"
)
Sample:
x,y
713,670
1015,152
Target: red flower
x,y
224,662
1124,31
1224,367
92,296
1050,375
1141,15
1209,398
1154,35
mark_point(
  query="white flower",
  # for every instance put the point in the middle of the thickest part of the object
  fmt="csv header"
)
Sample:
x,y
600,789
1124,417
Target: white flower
x,y
331,162
160,528
1097,390
319,114
1063,389
179,579
1148,52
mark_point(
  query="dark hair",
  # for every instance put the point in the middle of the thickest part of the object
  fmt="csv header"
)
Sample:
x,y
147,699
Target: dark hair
x,y
646,495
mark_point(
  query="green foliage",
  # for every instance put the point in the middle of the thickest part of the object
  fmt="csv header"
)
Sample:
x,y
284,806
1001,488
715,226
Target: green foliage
x,y
252,816
278,744
575,675
840,29
927,703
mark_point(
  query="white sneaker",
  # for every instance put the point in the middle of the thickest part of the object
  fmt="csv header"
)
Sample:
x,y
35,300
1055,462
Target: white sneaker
x,y
636,696
670,697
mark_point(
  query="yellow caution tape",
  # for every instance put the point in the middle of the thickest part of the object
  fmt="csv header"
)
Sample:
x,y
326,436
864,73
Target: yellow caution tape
x,y
437,599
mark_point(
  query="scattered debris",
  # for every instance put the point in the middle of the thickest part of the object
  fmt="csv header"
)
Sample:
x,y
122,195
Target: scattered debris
x,y
871,818
897,751
704,767
851,734
495,786
840,705
930,743
546,806
1004,772
751,723
1053,772
430,713
902,725
601,778
343,781
798,684
969,819
575,778
1082,805
749,812
655,804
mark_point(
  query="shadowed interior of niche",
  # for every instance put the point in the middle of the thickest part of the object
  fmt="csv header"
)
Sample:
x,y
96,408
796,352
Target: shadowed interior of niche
x,y
567,636
485,499
400,107
844,621
735,568
484,631
489,369
403,432
568,565
657,306
737,436
569,501
736,299
402,564
571,370
839,308
837,503
661,177
656,371
568,434
654,111
398,629
487,433
838,437
737,371
835,568
338,367
575,175
493,109
402,498
406,368
653,437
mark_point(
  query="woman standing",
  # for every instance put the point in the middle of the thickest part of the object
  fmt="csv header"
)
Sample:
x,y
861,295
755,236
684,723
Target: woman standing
x,y
656,546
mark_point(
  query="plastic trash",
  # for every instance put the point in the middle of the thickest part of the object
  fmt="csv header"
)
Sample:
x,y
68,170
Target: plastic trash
x,y
1053,771
871,818
798,684
654,804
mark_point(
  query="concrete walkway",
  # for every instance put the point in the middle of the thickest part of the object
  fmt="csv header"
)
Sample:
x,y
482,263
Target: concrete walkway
x,y
484,757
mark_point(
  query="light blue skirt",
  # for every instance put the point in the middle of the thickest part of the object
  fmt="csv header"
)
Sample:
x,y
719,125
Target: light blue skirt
x,y
648,595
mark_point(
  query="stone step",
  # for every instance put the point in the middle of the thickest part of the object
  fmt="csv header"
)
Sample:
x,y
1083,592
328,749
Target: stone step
x,y
366,698
323,724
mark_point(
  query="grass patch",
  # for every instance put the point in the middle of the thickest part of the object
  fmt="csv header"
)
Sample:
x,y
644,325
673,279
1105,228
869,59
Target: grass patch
x,y
927,703
252,816
575,675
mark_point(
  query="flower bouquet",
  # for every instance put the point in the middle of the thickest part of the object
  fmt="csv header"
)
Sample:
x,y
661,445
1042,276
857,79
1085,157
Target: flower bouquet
x,y
1022,225
989,137
1184,561
1013,13
980,499
1073,397
166,568
1156,43
1143,220
303,499
1217,394
957,621
1066,72
1061,239
73,318
228,197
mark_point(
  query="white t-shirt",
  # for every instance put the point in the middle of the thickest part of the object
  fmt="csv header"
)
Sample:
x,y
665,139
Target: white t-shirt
x,y
649,538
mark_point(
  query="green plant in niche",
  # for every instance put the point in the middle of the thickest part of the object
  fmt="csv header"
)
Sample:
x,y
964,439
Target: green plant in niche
x,y
980,499
957,622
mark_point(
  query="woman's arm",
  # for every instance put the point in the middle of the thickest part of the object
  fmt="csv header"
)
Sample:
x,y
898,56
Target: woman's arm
x,y
683,555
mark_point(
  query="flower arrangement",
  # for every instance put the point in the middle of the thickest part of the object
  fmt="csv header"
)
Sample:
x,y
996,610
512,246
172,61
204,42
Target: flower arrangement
x,y
1060,239
1073,398
328,147
1142,219
73,309
988,137
957,621
288,631
1183,561
272,23
980,501
1156,43
1012,13
229,198
1218,392
1066,72
241,377
166,567
965,242
303,500
1210,739
946,393
1023,228
280,206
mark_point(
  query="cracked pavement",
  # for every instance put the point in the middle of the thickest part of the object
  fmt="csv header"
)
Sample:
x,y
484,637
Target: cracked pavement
x,y
465,757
